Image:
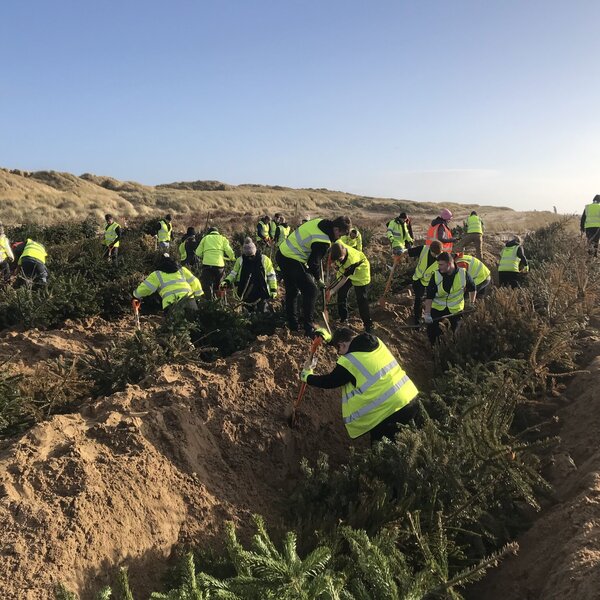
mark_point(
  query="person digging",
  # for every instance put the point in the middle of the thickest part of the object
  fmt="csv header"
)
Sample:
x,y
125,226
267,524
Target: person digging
x,y
377,394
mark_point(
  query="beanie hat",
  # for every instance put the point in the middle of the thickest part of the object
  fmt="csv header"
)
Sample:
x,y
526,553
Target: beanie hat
x,y
248,249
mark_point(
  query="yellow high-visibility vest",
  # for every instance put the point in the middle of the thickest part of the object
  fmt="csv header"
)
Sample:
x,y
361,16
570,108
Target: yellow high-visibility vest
x,y
171,287
423,272
454,300
110,235
509,261
298,245
474,224
34,250
592,215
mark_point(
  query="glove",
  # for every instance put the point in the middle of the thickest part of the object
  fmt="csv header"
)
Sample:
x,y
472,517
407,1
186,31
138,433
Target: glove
x,y
323,333
428,319
305,373
398,251
225,283
525,269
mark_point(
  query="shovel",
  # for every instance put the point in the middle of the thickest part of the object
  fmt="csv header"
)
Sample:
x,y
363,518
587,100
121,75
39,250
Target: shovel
x,y
135,305
317,341
388,284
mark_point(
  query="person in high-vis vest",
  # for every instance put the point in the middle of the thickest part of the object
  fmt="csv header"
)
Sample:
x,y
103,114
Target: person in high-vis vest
x,y
513,264
33,262
473,235
165,231
377,394
213,250
299,258
426,265
480,274
253,276
398,234
174,284
112,239
187,248
273,226
353,265
282,231
6,256
439,230
353,239
590,224
263,231
445,295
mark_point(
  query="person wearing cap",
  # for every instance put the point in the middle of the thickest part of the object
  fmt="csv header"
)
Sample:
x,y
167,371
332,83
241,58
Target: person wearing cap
x,y
32,261
473,236
187,248
354,266
254,278
165,231
439,230
513,263
590,224
6,256
445,295
353,239
299,258
112,239
377,394
481,275
426,265
212,251
174,284
263,229
398,234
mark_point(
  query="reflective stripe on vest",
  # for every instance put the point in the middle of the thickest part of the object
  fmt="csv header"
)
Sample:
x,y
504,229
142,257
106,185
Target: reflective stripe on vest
x,y
382,388
362,274
164,233
423,272
110,234
455,300
509,261
34,250
298,244
175,288
477,270
592,215
432,234
262,231
399,233
474,224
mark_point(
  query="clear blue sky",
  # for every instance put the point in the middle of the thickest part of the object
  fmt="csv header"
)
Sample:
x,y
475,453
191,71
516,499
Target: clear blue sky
x,y
483,101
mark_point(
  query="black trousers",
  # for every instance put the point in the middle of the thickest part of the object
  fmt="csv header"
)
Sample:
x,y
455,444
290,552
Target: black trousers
x,y
419,292
34,270
297,280
210,278
593,237
434,331
482,288
112,255
362,300
510,279
4,271
388,427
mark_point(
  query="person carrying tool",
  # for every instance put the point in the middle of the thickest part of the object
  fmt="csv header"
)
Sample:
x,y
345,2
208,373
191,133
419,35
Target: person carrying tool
x,y
263,228
439,230
212,251
473,235
377,394
353,271
254,278
445,295
112,239
175,285
165,230
426,265
590,224
353,239
32,260
187,248
299,258
6,256
398,234
513,264
477,270
282,231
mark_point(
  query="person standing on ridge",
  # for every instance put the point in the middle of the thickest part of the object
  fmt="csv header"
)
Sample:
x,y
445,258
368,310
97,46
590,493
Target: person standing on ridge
x,y
165,231
513,264
439,230
590,224
473,235
187,248
299,258
354,265
6,256
426,265
112,239
398,234
377,394
445,296
212,251
254,278
353,239
175,285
